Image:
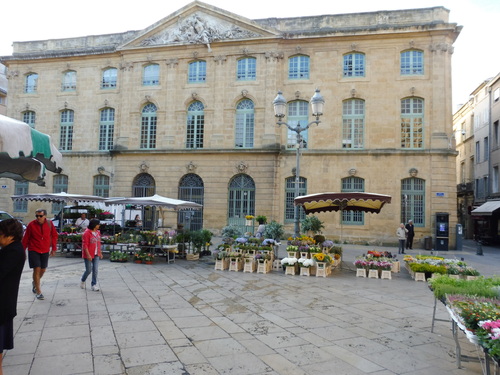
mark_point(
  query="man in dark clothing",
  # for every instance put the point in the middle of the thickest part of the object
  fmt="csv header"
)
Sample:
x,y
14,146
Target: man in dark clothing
x,y
12,260
410,235
40,236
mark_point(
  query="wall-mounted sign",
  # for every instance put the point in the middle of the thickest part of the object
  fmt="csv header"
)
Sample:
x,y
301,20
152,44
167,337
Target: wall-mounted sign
x,y
439,194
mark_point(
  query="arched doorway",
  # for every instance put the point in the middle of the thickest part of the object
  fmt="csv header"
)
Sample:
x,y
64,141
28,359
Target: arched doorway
x,y
191,189
241,200
144,185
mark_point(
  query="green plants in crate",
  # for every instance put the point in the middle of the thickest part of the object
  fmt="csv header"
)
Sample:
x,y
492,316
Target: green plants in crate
x,y
481,287
118,256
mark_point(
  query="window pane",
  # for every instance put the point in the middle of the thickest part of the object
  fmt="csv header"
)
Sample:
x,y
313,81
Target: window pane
x,y
31,83
354,65
195,125
197,72
151,75
244,124
298,113
298,67
353,120
69,81
109,77
290,197
412,62
66,130
412,120
246,69
106,129
148,127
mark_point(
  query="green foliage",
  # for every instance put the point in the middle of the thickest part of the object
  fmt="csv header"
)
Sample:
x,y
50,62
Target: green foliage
x,y
274,230
261,219
319,239
425,267
311,224
482,287
231,231
118,256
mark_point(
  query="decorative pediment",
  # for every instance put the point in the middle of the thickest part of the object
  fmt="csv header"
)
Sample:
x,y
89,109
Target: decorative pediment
x,y
199,23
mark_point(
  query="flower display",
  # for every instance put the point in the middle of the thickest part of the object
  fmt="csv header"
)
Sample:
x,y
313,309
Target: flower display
x,y
489,336
320,257
289,261
249,217
303,262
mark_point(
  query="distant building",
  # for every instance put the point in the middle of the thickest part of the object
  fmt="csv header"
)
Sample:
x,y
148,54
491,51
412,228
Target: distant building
x,y
184,109
3,90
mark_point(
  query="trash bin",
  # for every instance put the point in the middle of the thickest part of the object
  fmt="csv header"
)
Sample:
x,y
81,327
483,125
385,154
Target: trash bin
x,y
428,243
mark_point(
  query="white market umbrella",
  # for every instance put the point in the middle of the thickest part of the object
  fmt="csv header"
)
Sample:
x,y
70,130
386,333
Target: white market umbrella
x,y
26,153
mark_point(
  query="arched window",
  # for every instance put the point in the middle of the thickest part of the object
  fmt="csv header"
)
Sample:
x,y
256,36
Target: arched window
x,y
69,81
66,133
195,125
290,197
144,185
353,123
413,201
21,188
298,112
148,126
246,69
353,184
101,186
298,67
151,75
354,65
412,62
241,199
109,78
244,124
31,82
197,72
60,186
29,117
106,129
412,123
191,189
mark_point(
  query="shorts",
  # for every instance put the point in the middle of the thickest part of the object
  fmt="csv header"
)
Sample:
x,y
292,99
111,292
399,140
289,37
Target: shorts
x,y
7,335
38,260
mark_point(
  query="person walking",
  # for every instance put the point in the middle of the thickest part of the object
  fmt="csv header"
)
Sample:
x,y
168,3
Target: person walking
x,y
401,234
40,239
411,233
91,253
12,260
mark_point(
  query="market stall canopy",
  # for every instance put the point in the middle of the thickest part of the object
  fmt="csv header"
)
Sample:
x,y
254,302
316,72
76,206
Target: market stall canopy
x,y
356,201
156,201
486,209
58,197
25,153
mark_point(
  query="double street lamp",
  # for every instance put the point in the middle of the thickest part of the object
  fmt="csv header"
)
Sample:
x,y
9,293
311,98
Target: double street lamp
x,y
317,104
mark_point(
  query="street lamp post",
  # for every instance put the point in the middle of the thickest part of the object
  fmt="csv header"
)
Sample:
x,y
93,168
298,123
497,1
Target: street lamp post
x,y
317,104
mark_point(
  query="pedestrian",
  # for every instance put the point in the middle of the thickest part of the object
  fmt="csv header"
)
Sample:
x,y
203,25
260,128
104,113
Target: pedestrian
x,y
40,239
401,234
411,233
91,253
82,222
12,260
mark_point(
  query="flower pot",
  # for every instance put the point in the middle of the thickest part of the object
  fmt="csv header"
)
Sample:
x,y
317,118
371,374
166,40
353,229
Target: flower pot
x,y
290,270
148,262
138,261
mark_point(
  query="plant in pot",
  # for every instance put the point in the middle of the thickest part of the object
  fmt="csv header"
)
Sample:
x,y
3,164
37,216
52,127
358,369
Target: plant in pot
x,y
311,224
118,256
261,219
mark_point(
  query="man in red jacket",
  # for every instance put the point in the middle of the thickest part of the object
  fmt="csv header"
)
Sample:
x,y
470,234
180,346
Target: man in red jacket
x,y
40,236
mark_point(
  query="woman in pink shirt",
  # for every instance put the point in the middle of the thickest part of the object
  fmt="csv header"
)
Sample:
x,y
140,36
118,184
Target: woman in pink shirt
x,y
91,253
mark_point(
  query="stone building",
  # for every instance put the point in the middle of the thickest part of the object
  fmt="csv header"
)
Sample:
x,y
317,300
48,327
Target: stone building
x,y
184,109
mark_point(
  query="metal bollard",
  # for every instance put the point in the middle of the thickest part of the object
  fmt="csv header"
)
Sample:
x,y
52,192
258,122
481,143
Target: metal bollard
x,y
479,250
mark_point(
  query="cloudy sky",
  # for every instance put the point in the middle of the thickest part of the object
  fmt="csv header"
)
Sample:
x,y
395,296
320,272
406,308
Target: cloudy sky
x,y
476,56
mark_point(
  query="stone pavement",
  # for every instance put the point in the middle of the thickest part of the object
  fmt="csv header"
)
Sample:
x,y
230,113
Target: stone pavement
x,y
186,318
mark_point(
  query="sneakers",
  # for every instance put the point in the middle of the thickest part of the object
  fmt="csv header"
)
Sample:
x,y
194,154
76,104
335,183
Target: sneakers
x,y
82,284
40,296
95,288
33,289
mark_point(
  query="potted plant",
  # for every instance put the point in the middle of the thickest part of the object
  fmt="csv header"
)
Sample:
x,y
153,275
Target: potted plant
x,y
148,258
118,256
311,224
261,219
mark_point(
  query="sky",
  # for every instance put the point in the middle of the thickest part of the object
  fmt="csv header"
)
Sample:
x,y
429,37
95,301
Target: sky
x,y
476,54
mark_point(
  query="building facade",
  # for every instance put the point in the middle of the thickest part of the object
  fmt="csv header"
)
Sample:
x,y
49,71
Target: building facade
x,y
184,109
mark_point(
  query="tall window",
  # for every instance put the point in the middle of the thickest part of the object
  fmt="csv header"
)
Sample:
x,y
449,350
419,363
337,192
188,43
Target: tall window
x,y
197,72
30,84
412,123
354,65
148,126
191,189
66,136
290,197
69,81
478,152
413,201
353,184
246,69
144,185
29,117
195,125
412,62
353,123
109,78
298,112
494,182
106,129
60,186
101,186
486,148
21,188
298,67
241,197
244,123
151,75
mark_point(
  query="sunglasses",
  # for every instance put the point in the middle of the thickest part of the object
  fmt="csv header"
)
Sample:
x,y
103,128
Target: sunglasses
x,y
39,215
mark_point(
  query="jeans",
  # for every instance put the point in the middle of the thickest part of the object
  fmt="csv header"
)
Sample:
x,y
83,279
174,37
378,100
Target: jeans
x,y
401,246
91,266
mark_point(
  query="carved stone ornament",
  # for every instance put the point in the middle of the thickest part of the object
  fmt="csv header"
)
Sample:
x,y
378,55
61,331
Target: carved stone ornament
x,y
144,167
244,93
353,93
27,106
354,46
220,59
242,167
100,169
106,102
413,90
12,73
297,94
172,63
65,104
298,49
199,28
147,97
352,172
194,95
127,66
413,172
191,167
246,51
273,55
